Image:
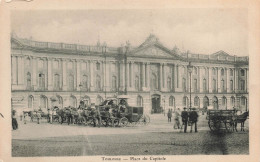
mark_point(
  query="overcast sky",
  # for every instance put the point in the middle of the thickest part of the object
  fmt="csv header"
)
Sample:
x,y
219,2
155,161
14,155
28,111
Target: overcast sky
x,y
203,31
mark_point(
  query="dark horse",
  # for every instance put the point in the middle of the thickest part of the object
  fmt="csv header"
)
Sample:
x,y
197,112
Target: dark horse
x,y
241,119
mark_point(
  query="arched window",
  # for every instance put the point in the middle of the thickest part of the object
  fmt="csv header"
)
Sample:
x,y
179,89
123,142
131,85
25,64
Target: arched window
x,y
98,83
196,101
169,83
98,66
231,72
171,101
205,102
99,100
139,101
215,102
84,82
73,101
137,83
184,85
60,102
114,83
232,101
213,71
222,72
242,85
43,102
204,85
56,81
195,70
71,83
185,101
243,101
222,85
224,102
231,85
29,83
41,81
195,85
242,72
30,101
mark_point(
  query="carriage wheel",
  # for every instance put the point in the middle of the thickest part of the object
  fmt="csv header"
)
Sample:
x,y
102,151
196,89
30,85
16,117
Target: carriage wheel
x,y
123,122
116,122
144,120
214,125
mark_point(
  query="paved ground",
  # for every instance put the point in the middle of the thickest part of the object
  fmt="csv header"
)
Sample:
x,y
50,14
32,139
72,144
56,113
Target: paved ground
x,y
157,138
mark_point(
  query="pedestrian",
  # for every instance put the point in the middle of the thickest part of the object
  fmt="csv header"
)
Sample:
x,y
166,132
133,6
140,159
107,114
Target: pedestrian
x,y
48,116
193,118
169,114
38,117
184,116
25,118
51,115
14,121
177,119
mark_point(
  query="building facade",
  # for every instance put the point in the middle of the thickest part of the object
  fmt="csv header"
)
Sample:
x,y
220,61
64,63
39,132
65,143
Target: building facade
x,y
48,74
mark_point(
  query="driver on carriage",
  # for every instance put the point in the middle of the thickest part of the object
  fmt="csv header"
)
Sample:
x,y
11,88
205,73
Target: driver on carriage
x,y
122,106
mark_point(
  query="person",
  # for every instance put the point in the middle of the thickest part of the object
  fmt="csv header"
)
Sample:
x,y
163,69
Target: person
x,y
51,115
25,118
193,117
176,119
184,116
48,116
14,121
38,116
169,114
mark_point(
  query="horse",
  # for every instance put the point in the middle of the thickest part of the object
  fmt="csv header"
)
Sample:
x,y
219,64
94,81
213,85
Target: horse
x,y
240,119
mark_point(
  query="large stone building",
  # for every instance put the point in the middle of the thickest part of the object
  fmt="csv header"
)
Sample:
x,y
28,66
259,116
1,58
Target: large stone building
x,y
45,74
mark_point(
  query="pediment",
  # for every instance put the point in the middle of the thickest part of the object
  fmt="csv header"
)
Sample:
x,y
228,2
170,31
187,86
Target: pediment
x,y
15,44
221,53
154,51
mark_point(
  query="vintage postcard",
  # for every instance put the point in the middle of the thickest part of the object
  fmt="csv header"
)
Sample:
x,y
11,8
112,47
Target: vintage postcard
x,y
129,81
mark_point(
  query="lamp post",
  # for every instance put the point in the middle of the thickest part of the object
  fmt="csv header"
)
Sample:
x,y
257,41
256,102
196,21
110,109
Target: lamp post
x,y
80,86
190,67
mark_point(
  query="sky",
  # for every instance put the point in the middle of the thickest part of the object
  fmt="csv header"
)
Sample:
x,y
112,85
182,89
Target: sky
x,y
201,31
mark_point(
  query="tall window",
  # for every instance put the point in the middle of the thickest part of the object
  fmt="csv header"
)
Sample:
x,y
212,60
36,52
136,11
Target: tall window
x,y
213,71
214,83
231,72
231,85
171,101
98,66
85,82
139,101
222,85
71,83
185,101
114,84
224,101
30,102
222,72
154,82
232,101
242,85
204,85
196,101
243,101
41,81
169,83
98,82
195,70
56,64
137,83
184,85
242,72
195,85
29,83
56,81
43,102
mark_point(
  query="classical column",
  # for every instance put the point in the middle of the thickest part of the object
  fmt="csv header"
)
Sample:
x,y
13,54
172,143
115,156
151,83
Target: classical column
x,y
236,80
92,75
127,76
64,74
104,74
20,70
132,74
200,78
108,75
218,79
246,79
143,76
78,69
161,78
14,70
228,79
210,80
49,71
175,76
148,75
35,71
164,76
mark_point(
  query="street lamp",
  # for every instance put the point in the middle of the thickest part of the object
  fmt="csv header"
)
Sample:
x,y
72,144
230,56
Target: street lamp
x,y
80,86
190,67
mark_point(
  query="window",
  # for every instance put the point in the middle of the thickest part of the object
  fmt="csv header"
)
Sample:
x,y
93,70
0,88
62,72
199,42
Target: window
x,y
84,82
56,81
114,84
213,71
41,81
195,85
30,102
204,85
231,85
171,101
231,72
40,64
222,72
196,101
185,101
243,101
224,101
232,101
154,82
137,83
222,85
98,82
184,85
56,64
43,102
139,101
98,66
71,83
195,70
214,85
169,83
242,72
242,85
29,80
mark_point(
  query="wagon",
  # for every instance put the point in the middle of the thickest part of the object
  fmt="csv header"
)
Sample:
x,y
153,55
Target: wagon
x,y
220,119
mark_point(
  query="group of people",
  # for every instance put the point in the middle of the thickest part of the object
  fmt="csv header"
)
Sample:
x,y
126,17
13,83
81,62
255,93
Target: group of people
x,y
188,117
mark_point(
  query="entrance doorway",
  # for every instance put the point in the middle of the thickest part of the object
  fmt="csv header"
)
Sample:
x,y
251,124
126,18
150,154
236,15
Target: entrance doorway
x,y
156,103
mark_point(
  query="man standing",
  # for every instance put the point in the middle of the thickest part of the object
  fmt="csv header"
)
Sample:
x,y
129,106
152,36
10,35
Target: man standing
x,y
169,114
194,118
184,116
176,119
